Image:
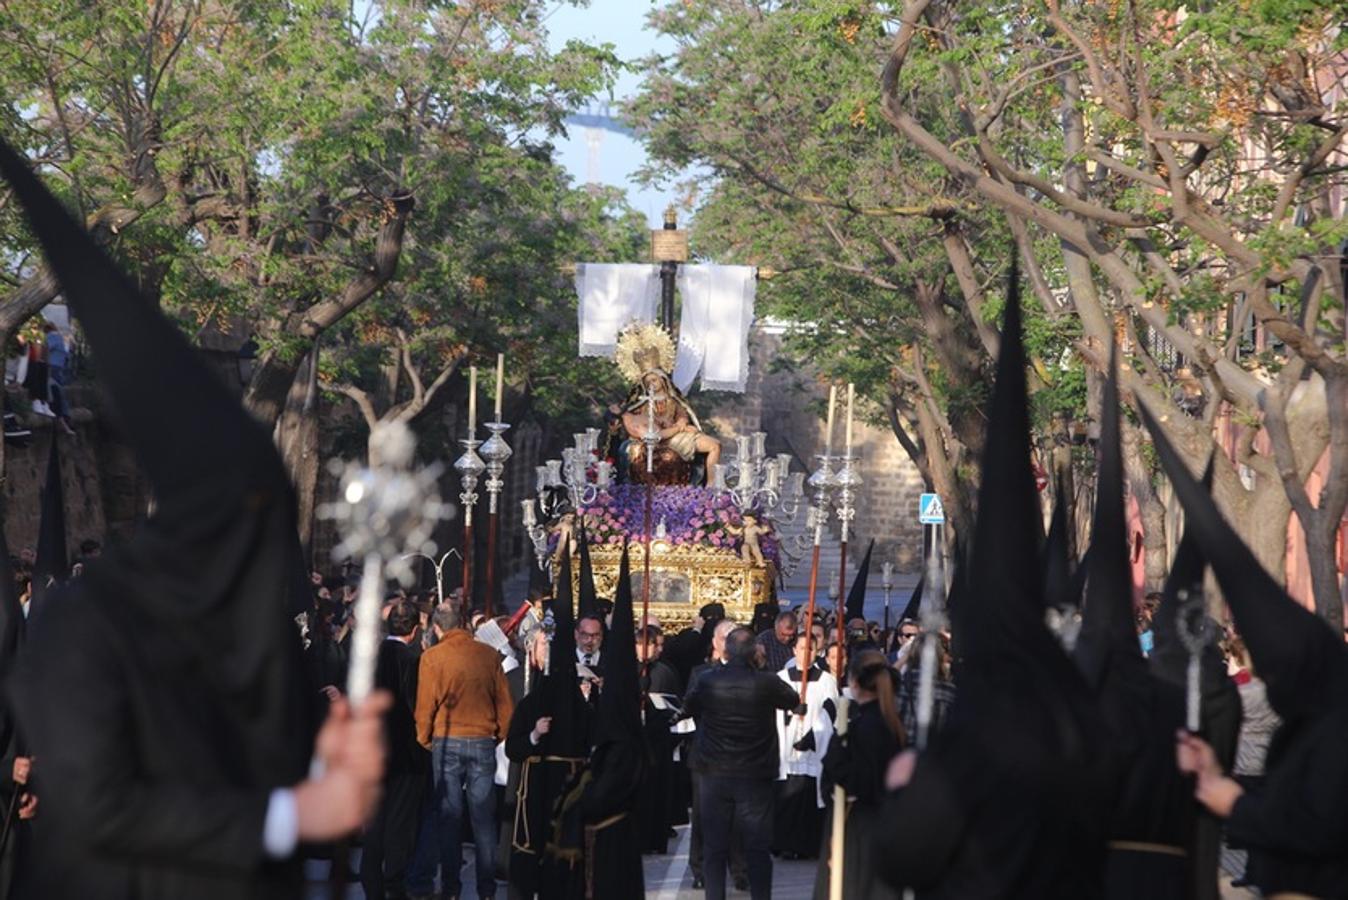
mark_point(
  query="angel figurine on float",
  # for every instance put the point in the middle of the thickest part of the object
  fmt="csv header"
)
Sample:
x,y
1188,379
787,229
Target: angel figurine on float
x,y
645,357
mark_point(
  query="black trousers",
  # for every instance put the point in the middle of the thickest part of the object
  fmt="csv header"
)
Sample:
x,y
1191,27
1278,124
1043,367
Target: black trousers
x,y
744,804
737,866
392,836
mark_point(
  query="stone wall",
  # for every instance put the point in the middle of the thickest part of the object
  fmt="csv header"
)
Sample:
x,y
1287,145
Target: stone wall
x,y
103,491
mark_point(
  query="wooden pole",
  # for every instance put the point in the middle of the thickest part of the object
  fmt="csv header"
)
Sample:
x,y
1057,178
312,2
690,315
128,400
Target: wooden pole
x,y
837,842
809,614
493,525
842,612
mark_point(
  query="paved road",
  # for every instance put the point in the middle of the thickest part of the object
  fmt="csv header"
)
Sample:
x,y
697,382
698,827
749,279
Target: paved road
x,y
667,877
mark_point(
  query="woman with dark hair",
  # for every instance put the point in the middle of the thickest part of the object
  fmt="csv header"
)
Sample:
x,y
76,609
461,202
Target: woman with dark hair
x,y
856,761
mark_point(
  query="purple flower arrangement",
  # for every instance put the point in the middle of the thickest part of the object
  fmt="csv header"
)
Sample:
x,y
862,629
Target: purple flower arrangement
x,y
693,516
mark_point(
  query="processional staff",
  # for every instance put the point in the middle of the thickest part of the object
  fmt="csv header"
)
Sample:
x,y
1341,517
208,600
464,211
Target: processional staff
x,y
1195,633
932,618
650,440
386,513
820,482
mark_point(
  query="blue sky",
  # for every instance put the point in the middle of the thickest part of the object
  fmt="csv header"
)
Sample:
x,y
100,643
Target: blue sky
x,y
621,23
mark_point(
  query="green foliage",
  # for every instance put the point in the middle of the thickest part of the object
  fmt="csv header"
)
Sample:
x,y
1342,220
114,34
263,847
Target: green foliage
x,y
285,132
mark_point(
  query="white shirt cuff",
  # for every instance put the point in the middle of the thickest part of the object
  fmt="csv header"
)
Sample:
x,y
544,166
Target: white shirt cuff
x,y
281,830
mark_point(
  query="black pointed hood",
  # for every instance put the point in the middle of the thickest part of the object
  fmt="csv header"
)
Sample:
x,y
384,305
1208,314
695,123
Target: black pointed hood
x,y
213,566
561,697
856,597
1004,606
589,598
51,563
619,714
562,655
1055,561
1108,638
1301,660
914,606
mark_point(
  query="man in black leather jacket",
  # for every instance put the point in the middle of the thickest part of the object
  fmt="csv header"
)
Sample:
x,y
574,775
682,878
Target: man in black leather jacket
x,y
736,758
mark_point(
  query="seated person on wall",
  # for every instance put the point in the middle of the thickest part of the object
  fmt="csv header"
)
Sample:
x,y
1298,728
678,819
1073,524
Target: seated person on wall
x,y
645,356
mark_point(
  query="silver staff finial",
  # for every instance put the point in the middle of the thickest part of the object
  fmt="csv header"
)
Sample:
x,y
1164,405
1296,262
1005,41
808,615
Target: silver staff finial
x,y
385,512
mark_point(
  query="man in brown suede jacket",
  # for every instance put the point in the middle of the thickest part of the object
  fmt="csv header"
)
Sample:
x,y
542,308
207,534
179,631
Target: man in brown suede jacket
x,y
463,709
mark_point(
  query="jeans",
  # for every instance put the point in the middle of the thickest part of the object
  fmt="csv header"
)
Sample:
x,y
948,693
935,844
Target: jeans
x,y
745,803
456,764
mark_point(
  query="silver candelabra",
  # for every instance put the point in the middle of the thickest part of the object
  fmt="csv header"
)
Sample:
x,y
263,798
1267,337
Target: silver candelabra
x,y
756,481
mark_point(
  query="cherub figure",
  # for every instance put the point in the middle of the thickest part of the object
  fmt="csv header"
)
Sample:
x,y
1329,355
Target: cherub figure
x,y
751,533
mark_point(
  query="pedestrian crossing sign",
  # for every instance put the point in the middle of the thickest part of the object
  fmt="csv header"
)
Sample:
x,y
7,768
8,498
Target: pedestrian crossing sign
x,y
930,511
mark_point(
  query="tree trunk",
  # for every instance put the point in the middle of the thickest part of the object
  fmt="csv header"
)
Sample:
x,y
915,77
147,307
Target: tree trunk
x,y
1321,547
297,441
1156,557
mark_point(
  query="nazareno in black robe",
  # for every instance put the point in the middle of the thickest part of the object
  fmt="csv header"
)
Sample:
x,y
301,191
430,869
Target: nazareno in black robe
x,y
164,693
550,766
595,847
857,761
1152,823
1011,797
1293,824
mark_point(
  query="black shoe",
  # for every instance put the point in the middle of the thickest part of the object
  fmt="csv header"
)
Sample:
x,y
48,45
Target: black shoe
x,y
698,883
741,883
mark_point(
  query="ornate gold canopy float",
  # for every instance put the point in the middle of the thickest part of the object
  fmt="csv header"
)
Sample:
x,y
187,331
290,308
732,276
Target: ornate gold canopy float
x,y
684,579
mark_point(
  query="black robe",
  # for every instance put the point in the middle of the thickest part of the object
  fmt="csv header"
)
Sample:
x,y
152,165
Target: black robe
x,y
1294,824
595,848
857,762
654,814
545,771
1152,826
163,693
1008,801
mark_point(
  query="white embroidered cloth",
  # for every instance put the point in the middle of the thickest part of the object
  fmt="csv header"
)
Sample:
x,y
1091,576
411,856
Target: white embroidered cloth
x,y
718,309
613,295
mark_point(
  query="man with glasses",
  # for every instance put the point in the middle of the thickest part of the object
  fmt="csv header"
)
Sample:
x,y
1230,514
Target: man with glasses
x,y
589,644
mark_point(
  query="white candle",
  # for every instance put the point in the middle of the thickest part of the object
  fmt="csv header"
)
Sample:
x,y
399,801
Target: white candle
x,y
888,574
472,401
760,444
828,429
851,396
500,382
603,474
530,519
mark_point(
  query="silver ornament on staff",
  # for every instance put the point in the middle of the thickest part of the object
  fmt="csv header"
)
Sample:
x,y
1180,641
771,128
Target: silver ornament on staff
x,y
1195,633
470,468
495,451
385,513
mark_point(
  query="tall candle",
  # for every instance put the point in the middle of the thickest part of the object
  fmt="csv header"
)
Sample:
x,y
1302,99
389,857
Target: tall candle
x,y
828,429
472,401
500,382
851,396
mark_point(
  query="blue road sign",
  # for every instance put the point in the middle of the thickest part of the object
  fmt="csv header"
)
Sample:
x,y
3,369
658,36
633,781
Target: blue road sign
x,y
930,511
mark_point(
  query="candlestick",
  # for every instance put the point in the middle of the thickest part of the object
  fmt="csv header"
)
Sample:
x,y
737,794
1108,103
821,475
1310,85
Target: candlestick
x,y
851,396
500,383
472,401
828,429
